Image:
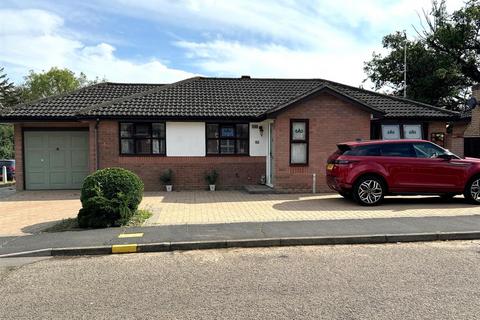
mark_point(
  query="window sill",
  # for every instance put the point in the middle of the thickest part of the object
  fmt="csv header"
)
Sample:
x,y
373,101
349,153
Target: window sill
x,y
141,155
298,164
227,155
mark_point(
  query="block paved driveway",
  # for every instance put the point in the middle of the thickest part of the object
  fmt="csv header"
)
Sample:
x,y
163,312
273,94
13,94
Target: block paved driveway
x,y
204,207
30,212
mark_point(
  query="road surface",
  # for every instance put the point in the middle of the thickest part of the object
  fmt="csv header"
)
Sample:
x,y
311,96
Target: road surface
x,y
439,280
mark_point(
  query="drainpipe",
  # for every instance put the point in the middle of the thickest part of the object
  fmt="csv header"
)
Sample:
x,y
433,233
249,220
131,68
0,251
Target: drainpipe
x,y
97,157
314,185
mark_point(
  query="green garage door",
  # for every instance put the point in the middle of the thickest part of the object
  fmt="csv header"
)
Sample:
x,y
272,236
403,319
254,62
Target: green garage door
x,y
55,159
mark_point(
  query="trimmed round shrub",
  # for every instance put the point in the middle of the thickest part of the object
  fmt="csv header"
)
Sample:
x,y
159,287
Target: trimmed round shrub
x,y
109,198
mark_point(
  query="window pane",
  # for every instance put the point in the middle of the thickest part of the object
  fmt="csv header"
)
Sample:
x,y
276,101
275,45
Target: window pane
x,y
127,146
299,153
227,146
242,146
427,150
299,130
372,150
142,130
242,131
398,150
126,130
143,146
412,131
158,130
212,146
212,130
158,146
390,132
227,132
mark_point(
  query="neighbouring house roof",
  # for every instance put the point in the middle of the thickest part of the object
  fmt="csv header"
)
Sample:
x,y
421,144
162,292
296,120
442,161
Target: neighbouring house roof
x,y
202,97
67,105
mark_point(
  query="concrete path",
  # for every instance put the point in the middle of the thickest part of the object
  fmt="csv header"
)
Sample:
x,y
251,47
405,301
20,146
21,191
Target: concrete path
x,y
239,231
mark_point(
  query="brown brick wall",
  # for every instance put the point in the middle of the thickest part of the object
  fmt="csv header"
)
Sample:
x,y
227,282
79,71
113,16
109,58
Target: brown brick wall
x,y
331,121
235,171
454,139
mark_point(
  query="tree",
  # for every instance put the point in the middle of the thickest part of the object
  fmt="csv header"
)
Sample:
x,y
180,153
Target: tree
x,y
8,97
6,142
442,63
52,82
8,93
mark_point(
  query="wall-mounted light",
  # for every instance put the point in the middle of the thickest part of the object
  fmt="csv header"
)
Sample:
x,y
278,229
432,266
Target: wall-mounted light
x,y
260,128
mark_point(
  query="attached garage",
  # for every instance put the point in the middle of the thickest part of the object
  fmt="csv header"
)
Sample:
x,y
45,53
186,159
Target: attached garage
x,y
55,159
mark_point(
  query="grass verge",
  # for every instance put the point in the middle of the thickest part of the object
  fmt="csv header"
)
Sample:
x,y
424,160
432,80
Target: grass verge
x,y
71,224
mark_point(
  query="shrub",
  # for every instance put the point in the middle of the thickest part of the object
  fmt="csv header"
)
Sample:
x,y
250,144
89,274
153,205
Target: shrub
x,y
109,198
211,177
166,177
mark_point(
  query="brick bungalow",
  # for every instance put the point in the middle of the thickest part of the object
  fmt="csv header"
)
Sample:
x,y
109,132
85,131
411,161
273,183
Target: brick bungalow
x,y
276,131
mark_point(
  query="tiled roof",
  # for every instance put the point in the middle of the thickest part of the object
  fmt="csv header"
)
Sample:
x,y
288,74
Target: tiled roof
x,y
68,105
213,97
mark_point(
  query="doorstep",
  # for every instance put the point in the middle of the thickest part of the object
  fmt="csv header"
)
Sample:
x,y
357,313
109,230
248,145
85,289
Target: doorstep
x,y
259,189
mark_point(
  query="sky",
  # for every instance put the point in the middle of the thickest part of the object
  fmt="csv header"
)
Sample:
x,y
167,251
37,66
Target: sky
x,y
160,41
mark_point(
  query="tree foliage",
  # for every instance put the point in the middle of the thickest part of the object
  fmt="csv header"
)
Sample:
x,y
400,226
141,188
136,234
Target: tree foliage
x,y
52,82
8,97
442,62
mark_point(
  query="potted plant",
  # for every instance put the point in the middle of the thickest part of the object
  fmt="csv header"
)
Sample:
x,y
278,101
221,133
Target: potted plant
x,y
211,178
166,178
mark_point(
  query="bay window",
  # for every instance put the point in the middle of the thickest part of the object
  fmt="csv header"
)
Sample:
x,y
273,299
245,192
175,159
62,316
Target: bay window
x,y
142,138
299,142
227,139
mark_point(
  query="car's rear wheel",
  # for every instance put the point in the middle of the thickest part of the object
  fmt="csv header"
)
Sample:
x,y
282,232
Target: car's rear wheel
x,y
472,191
369,191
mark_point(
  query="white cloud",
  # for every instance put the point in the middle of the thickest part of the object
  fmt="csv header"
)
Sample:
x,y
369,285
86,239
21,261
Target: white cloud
x,y
268,38
319,38
234,59
37,40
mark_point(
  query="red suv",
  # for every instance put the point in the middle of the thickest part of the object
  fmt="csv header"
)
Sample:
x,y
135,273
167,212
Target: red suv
x,y
368,170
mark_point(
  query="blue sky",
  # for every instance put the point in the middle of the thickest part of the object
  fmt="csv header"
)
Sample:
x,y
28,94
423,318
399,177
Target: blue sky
x,y
166,41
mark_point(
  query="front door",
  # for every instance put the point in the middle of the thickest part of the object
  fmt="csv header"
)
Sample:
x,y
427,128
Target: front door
x,y
270,155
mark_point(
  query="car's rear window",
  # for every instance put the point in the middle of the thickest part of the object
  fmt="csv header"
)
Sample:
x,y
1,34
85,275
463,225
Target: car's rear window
x,y
366,150
398,150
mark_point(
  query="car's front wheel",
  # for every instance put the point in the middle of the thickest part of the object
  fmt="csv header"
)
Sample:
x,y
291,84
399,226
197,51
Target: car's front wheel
x,y
369,191
472,191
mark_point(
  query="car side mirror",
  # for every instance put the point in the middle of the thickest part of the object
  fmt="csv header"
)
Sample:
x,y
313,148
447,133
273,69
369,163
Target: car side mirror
x,y
445,156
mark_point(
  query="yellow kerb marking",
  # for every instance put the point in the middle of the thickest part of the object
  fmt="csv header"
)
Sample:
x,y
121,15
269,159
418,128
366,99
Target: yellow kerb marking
x,y
124,248
131,235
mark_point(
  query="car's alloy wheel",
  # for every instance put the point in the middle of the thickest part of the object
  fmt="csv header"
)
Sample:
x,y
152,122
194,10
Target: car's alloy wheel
x,y
369,191
475,190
